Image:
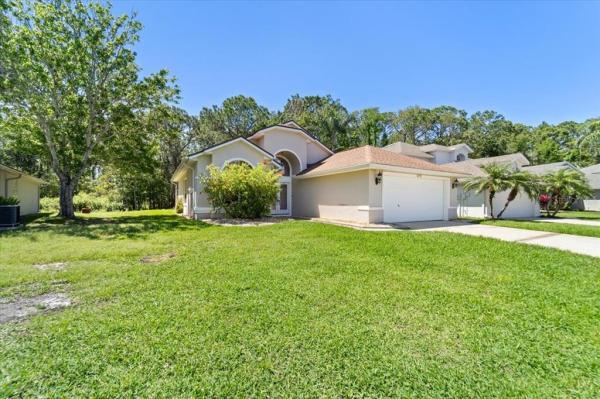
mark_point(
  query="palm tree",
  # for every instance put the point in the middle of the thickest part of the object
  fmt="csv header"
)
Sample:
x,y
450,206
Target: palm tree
x,y
564,187
496,179
521,182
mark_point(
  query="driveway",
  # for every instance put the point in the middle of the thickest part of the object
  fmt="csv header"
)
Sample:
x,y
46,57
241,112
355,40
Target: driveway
x,y
578,244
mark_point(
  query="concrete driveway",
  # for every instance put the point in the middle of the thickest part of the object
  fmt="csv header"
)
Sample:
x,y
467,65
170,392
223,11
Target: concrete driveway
x,y
577,244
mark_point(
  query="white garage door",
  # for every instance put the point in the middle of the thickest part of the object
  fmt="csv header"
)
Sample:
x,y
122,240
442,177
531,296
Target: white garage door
x,y
412,198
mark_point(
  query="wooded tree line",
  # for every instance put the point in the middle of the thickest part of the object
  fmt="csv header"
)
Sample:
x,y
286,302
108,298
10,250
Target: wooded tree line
x,y
75,111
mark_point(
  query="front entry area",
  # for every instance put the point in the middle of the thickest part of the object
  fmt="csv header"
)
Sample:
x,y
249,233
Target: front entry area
x,y
410,198
282,203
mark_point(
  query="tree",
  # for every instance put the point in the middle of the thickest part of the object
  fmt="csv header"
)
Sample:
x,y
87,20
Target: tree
x,y
371,126
323,116
497,178
564,187
520,182
70,81
238,116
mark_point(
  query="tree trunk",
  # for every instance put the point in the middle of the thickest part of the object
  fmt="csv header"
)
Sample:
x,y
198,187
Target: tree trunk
x,y
491,200
67,190
511,196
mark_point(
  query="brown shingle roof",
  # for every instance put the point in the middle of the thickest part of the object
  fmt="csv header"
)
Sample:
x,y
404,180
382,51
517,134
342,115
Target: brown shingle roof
x,y
371,155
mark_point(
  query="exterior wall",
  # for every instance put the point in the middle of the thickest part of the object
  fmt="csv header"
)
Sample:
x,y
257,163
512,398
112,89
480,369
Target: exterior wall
x,y
375,198
592,204
469,204
201,203
238,150
441,157
2,180
476,205
283,139
27,191
343,196
315,153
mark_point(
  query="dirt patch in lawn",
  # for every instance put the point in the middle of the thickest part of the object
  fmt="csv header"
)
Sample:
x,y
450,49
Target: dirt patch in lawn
x,y
22,308
247,222
51,266
158,258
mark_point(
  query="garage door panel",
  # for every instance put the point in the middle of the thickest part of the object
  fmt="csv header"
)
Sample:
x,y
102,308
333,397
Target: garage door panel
x,y
410,198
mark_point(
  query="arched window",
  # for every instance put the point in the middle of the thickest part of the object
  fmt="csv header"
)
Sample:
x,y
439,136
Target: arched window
x,y
286,166
460,157
238,162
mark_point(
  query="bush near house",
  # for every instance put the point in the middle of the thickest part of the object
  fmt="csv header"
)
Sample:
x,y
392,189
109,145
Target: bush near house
x,y
179,206
9,200
241,191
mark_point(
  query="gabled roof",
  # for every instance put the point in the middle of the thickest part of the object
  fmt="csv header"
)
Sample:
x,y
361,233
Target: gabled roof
x,y
549,167
407,149
592,173
517,158
18,173
208,150
372,157
591,169
439,147
294,127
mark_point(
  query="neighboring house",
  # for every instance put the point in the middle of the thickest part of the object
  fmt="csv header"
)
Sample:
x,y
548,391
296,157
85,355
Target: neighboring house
x,y
468,203
26,188
364,185
593,175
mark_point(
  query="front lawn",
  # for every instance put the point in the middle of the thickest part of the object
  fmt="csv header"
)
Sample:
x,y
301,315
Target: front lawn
x,y
593,215
563,228
294,309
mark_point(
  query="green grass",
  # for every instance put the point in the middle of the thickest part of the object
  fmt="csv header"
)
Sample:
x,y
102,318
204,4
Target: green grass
x,y
563,228
296,309
591,215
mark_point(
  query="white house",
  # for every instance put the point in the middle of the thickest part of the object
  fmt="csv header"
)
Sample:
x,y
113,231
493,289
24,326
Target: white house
x,y
14,183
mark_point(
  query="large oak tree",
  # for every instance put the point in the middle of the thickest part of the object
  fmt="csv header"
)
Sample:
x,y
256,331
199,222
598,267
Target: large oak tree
x,y
70,82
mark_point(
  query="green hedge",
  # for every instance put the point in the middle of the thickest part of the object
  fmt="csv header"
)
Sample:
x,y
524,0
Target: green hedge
x,y
83,200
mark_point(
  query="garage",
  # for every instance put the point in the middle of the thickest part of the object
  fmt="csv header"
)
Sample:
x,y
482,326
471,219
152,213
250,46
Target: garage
x,y
410,198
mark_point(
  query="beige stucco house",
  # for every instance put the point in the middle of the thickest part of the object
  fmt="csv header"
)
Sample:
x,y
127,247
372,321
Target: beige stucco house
x,y
14,183
362,185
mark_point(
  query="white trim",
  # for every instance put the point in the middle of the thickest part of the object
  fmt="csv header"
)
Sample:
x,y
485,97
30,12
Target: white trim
x,y
366,208
210,150
390,168
302,166
227,162
295,129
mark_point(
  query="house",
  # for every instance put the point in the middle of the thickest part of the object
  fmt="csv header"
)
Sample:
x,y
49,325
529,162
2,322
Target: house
x,y
14,183
362,185
401,182
593,175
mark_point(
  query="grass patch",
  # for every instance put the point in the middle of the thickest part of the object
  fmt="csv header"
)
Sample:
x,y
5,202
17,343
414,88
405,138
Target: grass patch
x,y
295,309
589,215
562,228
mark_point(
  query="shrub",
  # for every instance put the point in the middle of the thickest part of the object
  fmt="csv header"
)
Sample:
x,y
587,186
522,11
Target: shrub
x,y
83,201
179,206
9,200
241,191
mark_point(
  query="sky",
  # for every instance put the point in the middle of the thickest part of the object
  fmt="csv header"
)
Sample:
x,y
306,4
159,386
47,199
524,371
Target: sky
x,y
530,61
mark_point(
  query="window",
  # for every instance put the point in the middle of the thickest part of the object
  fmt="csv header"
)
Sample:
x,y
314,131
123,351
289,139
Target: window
x,y
286,166
238,162
460,157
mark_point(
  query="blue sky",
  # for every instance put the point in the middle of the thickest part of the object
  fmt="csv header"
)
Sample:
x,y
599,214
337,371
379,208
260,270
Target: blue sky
x,y
532,62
